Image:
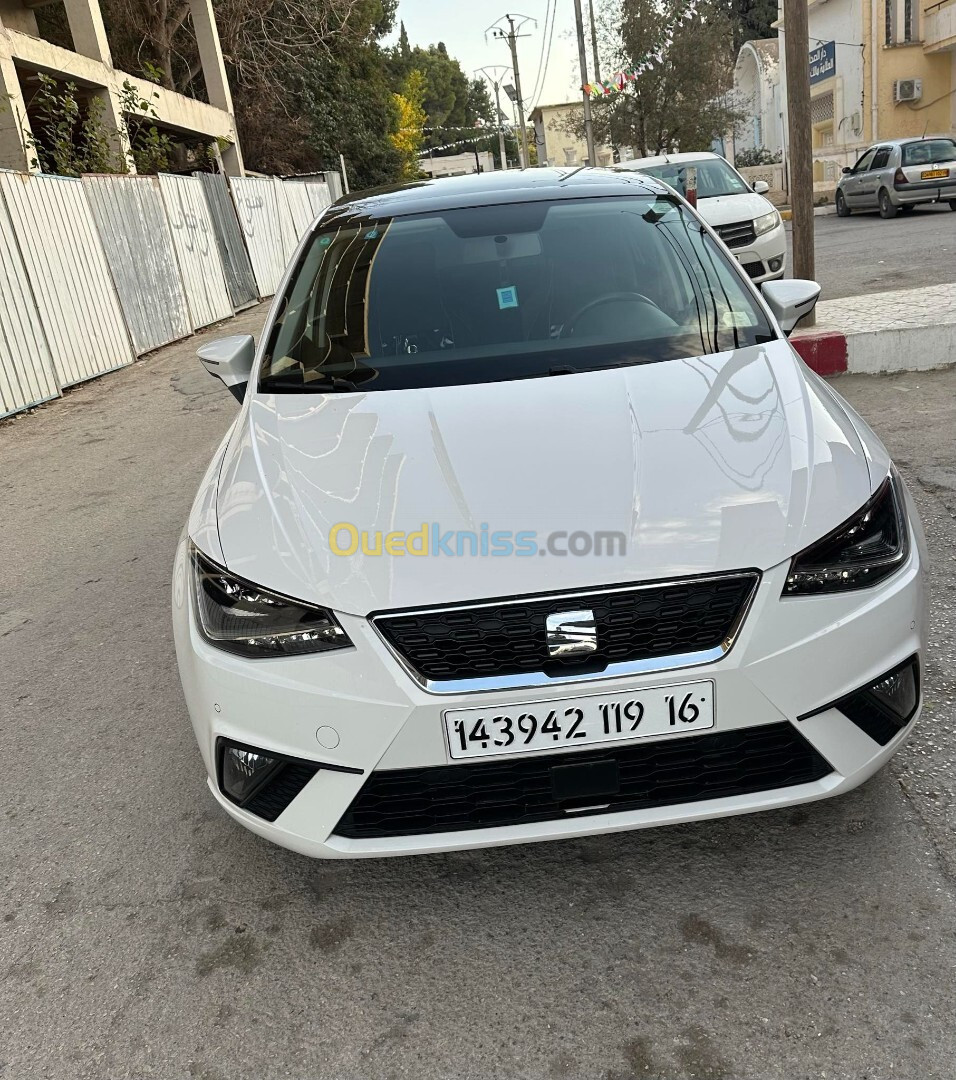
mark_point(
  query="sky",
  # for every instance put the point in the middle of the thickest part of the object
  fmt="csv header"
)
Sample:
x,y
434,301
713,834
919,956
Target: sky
x,y
461,25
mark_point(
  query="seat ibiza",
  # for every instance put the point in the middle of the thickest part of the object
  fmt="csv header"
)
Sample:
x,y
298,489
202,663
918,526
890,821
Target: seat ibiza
x,y
532,524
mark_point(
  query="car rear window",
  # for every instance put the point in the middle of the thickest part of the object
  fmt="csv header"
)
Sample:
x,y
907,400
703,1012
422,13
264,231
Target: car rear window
x,y
929,152
506,292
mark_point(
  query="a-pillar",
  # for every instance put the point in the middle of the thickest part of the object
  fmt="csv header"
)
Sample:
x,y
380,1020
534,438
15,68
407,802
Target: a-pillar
x,y
215,78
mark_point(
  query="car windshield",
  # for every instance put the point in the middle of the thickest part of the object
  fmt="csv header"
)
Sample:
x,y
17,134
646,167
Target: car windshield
x,y
714,177
929,152
502,292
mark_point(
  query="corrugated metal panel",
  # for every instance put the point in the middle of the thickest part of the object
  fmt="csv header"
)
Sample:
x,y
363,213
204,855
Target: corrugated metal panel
x,y
258,210
320,196
66,266
334,180
132,224
197,249
300,206
290,236
232,249
26,367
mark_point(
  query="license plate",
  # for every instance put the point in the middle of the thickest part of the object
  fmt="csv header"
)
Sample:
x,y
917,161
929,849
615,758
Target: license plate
x,y
933,174
580,721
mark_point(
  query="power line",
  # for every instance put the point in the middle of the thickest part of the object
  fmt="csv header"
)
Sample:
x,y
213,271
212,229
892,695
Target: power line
x,y
551,11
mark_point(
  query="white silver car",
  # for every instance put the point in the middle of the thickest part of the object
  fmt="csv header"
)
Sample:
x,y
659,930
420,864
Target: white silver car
x,y
531,525
747,223
899,174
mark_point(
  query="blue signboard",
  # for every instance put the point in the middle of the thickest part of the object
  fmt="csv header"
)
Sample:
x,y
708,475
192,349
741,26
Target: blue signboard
x,y
822,62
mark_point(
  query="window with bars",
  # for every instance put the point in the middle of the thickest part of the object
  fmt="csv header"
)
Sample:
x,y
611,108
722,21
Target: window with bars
x,y
901,22
821,108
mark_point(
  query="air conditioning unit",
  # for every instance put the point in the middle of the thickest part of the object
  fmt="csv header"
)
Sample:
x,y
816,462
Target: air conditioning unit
x,y
907,89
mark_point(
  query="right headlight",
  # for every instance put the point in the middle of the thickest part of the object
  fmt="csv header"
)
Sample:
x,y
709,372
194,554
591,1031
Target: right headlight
x,y
866,549
766,222
242,618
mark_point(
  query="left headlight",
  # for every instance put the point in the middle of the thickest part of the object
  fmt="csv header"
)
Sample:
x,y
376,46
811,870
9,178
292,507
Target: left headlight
x,y
241,618
766,222
866,549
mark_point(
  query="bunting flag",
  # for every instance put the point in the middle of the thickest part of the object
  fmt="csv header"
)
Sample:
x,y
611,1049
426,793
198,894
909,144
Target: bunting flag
x,y
618,82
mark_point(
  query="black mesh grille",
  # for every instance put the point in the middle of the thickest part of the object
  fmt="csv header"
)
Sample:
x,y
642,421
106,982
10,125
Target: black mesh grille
x,y
753,269
518,791
511,638
737,233
281,789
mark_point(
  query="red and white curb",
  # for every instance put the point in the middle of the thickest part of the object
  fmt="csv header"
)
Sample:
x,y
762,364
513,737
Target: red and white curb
x,y
823,351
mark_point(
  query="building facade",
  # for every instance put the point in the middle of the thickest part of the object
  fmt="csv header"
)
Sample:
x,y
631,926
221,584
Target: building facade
x,y
556,144
879,69
24,54
757,94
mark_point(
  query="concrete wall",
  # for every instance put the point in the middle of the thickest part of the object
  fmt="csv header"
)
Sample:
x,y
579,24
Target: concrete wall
x,y
23,52
556,145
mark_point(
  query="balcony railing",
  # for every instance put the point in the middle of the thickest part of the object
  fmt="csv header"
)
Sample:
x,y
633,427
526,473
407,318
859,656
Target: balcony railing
x,y
939,26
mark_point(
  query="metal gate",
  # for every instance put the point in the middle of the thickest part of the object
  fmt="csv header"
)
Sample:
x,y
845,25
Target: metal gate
x,y
26,367
139,248
67,270
197,249
232,250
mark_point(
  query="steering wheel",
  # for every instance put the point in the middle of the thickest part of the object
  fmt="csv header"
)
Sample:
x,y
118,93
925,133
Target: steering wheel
x,y
610,298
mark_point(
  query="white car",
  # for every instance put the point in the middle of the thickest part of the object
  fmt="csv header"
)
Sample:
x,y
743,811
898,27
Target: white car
x,y
747,223
532,524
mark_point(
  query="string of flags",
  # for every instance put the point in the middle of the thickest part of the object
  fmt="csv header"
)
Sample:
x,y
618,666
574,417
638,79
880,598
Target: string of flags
x,y
620,79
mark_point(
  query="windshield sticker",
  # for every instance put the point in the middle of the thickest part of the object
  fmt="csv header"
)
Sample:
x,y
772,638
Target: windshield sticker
x,y
372,234
508,297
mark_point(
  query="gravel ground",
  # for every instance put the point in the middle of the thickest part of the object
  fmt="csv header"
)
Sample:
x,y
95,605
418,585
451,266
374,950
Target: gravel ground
x,y
145,935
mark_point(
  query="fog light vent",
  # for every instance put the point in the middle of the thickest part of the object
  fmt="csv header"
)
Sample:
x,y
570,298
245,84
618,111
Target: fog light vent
x,y
886,706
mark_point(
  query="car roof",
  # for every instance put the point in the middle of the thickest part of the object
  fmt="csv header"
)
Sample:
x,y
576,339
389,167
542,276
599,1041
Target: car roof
x,y
669,159
492,189
910,139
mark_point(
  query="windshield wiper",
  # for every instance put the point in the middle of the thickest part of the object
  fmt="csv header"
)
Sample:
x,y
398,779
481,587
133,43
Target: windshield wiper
x,y
330,385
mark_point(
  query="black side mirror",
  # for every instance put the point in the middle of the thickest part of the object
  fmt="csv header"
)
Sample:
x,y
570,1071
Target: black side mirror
x,y
846,170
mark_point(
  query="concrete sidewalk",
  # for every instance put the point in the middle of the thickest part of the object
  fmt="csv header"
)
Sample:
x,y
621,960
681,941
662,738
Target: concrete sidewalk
x,y
903,330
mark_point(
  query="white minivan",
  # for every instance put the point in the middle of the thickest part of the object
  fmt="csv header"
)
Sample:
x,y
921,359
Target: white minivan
x,y
746,222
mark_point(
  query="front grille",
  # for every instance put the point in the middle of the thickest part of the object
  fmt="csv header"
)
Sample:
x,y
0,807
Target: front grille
x,y
519,791
737,233
753,269
509,637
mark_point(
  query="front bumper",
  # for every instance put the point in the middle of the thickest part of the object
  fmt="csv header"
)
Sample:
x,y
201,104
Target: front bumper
x,y
359,709
765,258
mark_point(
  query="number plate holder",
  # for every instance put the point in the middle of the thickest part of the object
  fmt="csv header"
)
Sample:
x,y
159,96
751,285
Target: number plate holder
x,y
586,720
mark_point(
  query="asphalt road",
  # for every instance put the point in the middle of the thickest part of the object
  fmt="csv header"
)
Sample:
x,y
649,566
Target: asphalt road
x,y
865,254
146,935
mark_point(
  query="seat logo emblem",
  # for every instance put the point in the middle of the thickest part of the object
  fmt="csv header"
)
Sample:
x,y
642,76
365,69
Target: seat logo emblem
x,y
571,633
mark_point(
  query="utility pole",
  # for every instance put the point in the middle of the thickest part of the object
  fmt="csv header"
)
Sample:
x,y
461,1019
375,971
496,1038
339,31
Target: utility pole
x,y
594,48
512,38
495,79
583,61
797,53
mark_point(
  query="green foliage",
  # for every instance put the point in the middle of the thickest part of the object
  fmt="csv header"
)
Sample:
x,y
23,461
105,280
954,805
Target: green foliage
x,y
410,118
751,20
682,102
743,159
68,136
151,148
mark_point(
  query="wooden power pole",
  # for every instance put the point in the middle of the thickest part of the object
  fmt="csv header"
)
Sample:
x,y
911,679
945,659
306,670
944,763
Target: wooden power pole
x,y
797,46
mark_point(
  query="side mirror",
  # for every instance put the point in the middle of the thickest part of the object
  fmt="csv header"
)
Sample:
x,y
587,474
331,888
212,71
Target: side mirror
x,y
761,187
846,170
790,300
230,359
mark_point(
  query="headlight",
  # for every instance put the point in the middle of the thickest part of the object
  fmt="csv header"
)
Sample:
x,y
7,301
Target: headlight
x,y
241,618
766,222
864,550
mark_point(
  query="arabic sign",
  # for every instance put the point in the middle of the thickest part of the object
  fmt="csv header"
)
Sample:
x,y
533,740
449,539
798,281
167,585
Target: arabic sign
x,y
822,62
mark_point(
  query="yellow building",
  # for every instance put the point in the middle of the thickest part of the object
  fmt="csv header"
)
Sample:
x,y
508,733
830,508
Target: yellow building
x,y
556,144
879,69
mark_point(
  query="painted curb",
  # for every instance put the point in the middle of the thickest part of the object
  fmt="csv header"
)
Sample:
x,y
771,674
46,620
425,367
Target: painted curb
x,y
823,351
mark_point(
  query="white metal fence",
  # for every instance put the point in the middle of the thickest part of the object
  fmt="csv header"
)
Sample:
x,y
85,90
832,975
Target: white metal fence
x,y
95,272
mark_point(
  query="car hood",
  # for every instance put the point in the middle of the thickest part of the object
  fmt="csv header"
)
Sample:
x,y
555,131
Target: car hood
x,y
717,463
725,209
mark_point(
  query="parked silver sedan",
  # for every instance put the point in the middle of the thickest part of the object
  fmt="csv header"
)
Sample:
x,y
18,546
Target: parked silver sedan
x,y
898,174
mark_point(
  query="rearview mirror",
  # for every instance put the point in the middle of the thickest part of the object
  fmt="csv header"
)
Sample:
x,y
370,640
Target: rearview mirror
x,y
790,300
761,187
230,359
846,170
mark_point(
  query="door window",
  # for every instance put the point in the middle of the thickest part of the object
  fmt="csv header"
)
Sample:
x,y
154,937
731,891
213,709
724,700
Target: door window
x,y
865,162
880,158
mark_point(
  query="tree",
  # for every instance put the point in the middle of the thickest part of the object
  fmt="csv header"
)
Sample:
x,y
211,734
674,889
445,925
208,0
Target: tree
x,y
751,20
408,137
680,98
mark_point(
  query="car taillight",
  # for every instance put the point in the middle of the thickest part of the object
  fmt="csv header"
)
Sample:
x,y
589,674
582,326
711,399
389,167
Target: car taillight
x,y
899,177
